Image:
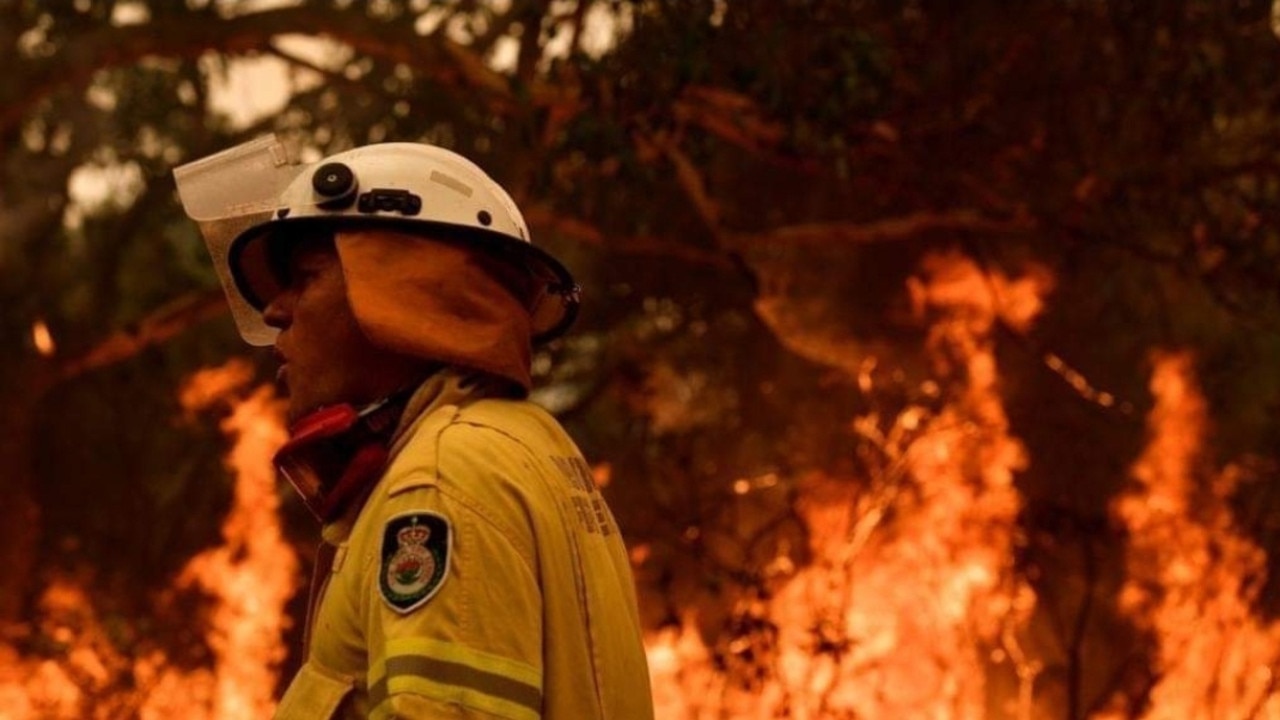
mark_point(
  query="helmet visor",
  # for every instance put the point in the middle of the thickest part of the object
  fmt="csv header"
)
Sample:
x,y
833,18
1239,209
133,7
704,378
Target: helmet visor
x,y
226,194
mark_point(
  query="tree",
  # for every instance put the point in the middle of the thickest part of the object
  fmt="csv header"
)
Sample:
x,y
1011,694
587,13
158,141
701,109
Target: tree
x,y
744,188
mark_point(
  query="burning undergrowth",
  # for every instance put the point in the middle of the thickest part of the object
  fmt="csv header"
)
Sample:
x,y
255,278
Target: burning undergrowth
x,y
76,661
1194,577
908,599
885,586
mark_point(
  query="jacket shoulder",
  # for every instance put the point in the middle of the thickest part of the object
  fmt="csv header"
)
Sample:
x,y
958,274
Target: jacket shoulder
x,y
523,419
480,447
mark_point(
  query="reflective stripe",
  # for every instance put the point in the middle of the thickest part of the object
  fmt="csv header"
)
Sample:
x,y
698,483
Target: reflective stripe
x,y
463,655
450,672
451,682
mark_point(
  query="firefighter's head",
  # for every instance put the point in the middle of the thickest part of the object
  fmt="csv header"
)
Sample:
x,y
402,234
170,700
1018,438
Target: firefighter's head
x,y
383,261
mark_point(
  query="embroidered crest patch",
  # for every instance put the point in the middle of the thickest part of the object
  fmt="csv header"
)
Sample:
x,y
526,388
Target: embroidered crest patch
x,y
415,559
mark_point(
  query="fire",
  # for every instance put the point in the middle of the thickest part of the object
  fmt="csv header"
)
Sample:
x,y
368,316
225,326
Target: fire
x,y
910,599
58,689
1193,577
93,673
910,606
254,573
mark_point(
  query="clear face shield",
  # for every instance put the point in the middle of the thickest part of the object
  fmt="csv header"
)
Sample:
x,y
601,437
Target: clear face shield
x,y
228,193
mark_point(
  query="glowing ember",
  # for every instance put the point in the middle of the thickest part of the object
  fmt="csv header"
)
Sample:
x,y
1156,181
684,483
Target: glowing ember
x,y
93,673
1193,578
911,588
42,338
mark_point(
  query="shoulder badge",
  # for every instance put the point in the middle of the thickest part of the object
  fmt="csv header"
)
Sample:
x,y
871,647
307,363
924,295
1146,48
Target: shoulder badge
x,y
415,559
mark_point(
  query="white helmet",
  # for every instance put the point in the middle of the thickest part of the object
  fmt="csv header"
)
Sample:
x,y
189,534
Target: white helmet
x,y
244,195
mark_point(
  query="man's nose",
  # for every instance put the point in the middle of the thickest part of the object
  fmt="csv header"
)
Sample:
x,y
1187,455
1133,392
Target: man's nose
x,y
279,312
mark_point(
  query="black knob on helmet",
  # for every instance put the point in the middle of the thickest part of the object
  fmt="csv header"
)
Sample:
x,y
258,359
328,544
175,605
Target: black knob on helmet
x,y
333,180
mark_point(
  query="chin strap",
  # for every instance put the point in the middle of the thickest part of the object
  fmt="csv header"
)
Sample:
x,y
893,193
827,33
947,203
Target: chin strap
x,y
335,454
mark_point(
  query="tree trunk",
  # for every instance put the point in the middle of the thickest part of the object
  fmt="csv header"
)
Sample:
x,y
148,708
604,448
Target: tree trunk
x,y
19,511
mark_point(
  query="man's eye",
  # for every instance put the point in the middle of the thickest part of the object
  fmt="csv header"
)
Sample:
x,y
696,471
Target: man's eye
x,y
304,275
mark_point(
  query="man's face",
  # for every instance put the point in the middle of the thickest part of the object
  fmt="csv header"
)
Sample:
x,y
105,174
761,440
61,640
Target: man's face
x,y
325,357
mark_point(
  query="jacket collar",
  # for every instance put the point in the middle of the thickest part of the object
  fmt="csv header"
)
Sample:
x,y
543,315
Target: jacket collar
x,y
448,387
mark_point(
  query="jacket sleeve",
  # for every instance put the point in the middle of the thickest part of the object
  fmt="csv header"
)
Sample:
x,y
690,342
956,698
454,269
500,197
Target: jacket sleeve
x,y
468,642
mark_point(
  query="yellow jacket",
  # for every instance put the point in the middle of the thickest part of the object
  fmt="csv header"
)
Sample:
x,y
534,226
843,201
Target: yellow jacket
x,y
483,578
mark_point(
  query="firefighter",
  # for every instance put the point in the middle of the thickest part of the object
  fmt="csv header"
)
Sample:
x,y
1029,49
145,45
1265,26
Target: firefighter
x,y
469,566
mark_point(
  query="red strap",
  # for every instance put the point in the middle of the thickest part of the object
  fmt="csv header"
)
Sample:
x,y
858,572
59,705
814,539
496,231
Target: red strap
x,y
323,423
359,476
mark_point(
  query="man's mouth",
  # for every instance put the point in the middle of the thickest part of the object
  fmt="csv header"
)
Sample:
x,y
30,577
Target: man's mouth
x,y
282,373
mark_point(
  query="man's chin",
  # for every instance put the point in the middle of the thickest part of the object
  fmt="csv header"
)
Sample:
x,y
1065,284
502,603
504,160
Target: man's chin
x,y
296,410
300,406
297,406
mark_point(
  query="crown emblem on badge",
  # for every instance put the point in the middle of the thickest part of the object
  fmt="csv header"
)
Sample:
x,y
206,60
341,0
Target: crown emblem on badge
x,y
414,535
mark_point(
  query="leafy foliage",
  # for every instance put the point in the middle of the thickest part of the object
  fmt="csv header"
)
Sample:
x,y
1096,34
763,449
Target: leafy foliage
x,y
743,188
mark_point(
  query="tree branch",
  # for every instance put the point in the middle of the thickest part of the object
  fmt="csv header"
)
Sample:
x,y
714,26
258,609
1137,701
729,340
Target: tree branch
x,y
1075,648
730,116
545,218
329,75
531,14
886,230
161,325
688,177
174,36
499,25
577,21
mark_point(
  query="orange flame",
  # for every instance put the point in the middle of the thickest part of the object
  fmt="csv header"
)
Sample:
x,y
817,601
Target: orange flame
x,y
911,594
1193,577
255,572
251,577
33,688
